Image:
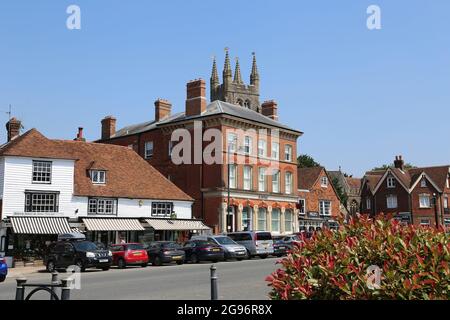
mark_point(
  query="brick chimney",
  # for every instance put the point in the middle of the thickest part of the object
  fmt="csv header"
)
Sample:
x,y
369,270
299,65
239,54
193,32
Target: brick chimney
x,y
108,127
196,97
162,109
399,163
13,127
80,135
270,109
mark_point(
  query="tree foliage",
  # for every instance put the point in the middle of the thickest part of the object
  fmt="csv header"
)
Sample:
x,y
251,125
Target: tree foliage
x,y
340,191
306,161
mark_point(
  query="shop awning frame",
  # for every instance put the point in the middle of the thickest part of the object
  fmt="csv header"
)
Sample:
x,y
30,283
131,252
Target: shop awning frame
x,y
177,224
40,225
112,224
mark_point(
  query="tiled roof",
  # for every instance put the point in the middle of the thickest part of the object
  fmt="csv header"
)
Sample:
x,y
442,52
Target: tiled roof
x,y
409,177
214,108
128,175
354,183
307,177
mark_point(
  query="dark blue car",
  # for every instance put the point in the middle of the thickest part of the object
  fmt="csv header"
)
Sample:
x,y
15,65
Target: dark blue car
x,y
3,269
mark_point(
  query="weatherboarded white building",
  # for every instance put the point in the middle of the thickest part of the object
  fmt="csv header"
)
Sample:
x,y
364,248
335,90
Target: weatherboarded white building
x,y
50,186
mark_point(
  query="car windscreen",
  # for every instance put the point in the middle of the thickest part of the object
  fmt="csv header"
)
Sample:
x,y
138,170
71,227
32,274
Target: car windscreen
x,y
240,236
170,245
135,246
205,243
224,240
85,246
263,236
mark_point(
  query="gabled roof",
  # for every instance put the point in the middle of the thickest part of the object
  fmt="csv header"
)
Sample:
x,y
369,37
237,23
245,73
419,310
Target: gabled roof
x,y
128,175
354,183
213,109
307,177
409,178
439,175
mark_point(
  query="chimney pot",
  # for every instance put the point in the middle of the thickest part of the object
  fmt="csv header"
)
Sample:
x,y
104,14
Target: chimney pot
x,y
80,135
399,163
195,97
270,109
13,127
162,109
108,127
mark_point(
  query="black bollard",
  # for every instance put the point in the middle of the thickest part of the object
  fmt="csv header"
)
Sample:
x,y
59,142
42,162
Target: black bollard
x,y
54,282
65,290
20,289
213,283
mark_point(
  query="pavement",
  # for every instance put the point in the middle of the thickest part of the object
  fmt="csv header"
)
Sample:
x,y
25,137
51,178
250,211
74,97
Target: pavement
x,y
236,280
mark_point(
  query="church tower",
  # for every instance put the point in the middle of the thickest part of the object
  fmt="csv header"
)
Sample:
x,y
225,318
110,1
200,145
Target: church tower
x,y
234,90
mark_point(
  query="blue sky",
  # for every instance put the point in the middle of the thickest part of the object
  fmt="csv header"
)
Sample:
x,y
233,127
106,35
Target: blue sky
x,y
360,96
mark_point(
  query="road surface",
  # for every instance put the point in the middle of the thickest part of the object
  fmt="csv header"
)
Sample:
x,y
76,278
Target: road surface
x,y
237,280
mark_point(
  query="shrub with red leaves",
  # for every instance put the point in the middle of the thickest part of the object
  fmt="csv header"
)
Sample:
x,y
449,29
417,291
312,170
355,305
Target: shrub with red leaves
x,y
414,264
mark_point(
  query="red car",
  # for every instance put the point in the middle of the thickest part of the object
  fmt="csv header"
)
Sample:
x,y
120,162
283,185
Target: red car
x,y
125,254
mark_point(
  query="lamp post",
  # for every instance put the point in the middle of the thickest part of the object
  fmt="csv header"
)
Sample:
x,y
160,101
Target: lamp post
x,y
436,216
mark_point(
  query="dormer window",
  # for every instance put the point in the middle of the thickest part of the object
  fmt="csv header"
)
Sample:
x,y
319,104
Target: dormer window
x,y
391,182
98,176
324,182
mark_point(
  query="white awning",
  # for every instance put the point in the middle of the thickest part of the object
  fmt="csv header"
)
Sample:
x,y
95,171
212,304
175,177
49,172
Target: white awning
x,y
112,224
40,225
179,225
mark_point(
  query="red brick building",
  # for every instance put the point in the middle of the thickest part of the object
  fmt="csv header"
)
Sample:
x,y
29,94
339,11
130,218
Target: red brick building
x,y
262,179
418,195
319,203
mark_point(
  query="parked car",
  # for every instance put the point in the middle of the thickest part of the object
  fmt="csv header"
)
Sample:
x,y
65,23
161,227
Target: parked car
x,y
203,250
160,252
126,254
280,248
74,249
3,269
231,249
258,243
291,240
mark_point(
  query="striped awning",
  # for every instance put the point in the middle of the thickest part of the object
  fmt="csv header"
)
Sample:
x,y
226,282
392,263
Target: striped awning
x,y
40,225
112,224
179,225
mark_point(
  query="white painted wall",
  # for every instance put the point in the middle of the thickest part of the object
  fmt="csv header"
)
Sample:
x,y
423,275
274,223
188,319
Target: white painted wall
x,y
18,175
18,178
2,175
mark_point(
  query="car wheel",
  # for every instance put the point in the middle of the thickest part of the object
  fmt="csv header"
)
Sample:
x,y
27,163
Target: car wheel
x,y
105,268
80,265
239,259
279,255
2,278
121,264
194,258
263,256
144,265
249,255
179,263
50,266
157,261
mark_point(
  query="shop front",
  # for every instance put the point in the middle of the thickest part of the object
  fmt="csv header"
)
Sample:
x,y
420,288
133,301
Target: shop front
x,y
109,231
178,230
25,239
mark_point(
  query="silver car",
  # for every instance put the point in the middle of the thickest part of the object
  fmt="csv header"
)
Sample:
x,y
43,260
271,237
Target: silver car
x,y
232,249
